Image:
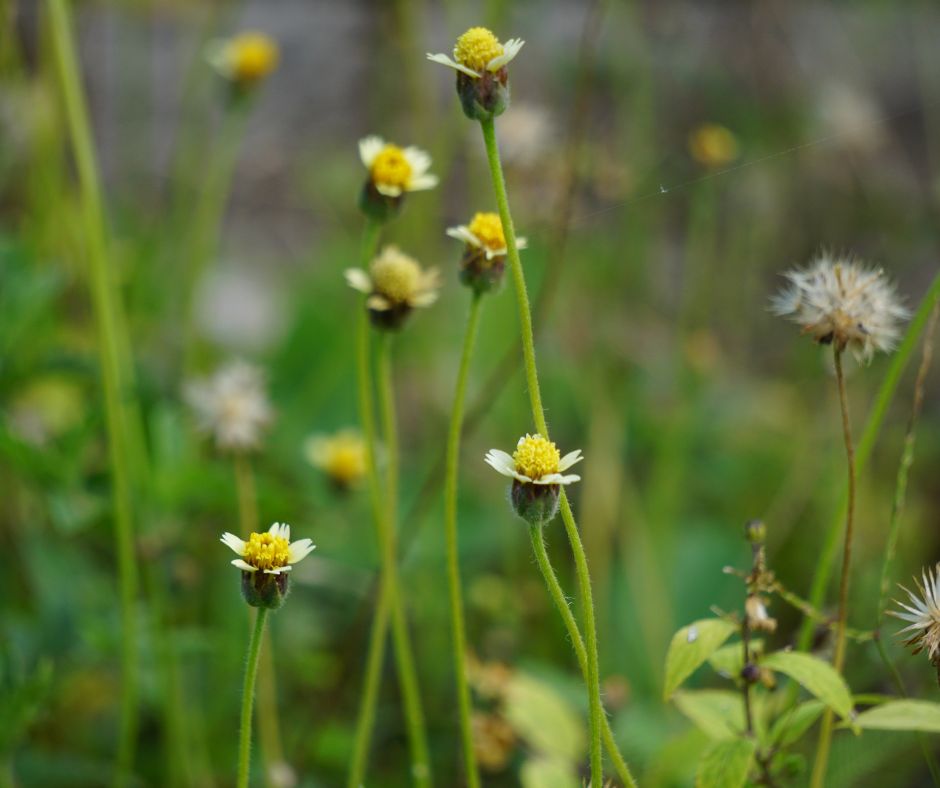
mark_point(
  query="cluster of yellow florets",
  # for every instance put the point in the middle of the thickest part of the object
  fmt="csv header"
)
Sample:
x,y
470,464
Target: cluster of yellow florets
x,y
266,551
488,228
536,457
391,167
477,47
396,276
249,57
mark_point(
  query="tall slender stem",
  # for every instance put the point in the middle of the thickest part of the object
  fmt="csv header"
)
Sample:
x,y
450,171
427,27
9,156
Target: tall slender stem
x,y
269,731
401,639
577,642
248,696
538,416
453,555
105,297
838,661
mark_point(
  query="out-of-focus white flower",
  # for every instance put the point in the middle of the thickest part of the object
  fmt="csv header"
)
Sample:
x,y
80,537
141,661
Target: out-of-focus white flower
x,y
923,615
526,134
232,406
843,302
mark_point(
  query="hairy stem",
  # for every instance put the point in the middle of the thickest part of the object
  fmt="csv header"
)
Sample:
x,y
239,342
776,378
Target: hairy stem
x,y
453,557
106,300
838,661
248,695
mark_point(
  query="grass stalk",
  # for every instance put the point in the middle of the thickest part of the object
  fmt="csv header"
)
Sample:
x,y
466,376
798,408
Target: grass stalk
x,y
464,705
105,298
248,696
538,414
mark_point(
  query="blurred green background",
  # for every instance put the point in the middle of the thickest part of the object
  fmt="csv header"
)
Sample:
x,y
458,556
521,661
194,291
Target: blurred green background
x,y
652,261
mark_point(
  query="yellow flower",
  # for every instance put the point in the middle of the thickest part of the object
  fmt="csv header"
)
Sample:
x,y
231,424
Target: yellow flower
x,y
485,232
393,170
478,51
341,456
713,145
246,58
271,552
395,282
536,460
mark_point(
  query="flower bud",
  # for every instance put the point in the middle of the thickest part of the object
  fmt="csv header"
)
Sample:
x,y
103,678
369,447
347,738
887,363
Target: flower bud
x,y
479,273
378,206
265,590
755,531
484,97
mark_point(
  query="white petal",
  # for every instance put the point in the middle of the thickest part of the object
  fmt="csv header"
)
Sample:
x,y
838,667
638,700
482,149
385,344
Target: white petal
x,y
571,477
571,458
358,279
299,550
522,243
462,233
378,302
278,570
500,462
387,190
510,50
549,478
446,61
237,545
419,160
369,148
424,299
421,182
280,530
243,566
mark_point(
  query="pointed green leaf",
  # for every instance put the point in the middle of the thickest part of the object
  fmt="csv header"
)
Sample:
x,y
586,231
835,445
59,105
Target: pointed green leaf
x,y
717,713
791,725
725,764
691,646
818,677
902,715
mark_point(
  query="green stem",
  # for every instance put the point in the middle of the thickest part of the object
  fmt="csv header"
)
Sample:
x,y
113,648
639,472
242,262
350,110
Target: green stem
x,y
453,559
106,304
865,445
401,640
248,696
538,415
825,733
574,634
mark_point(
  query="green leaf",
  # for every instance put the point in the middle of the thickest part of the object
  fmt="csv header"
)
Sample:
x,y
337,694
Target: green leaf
x,y
725,764
729,660
820,678
544,718
691,646
717,713
791,725
902,715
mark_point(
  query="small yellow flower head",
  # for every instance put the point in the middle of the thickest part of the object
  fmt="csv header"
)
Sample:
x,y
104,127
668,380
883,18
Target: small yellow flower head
x,y
844,303
480,61
713,146
393,171
395,284
923,616
484,258
537,469
265,560
341,456
245,59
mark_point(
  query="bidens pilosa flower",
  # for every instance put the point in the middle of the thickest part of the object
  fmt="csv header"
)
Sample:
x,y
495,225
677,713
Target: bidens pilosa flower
x,y
395,284
393,171
480,61
923,617
537,470
844,303
713,146
484,257
265,560
232,406
244,59
342,457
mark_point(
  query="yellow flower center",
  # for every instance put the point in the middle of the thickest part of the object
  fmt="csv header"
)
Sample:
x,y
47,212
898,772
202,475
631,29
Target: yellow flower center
x,y
266,551
713,145
489,229
252,56
391,167
346,461
477,47
536,457
395,275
